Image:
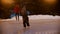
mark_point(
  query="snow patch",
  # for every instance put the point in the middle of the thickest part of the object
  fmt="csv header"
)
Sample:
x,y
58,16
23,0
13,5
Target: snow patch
x,y
34,17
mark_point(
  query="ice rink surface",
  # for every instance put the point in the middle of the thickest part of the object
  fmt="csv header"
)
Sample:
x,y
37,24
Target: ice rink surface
x,y
39,24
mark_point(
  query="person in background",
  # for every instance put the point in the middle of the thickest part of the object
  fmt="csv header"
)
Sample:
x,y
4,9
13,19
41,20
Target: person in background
x,y
17,11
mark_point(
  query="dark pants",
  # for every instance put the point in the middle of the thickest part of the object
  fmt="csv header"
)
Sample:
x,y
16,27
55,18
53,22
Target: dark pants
x,y
25,21
17,16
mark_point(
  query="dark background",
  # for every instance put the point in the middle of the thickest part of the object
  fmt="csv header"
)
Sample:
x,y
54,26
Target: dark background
x,y
35,7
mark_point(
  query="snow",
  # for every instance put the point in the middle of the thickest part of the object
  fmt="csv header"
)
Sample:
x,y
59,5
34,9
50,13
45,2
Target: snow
x,y
33,17
41,17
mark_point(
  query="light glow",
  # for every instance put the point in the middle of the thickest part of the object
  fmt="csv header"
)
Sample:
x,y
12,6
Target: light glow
x,y
50,1
7,1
